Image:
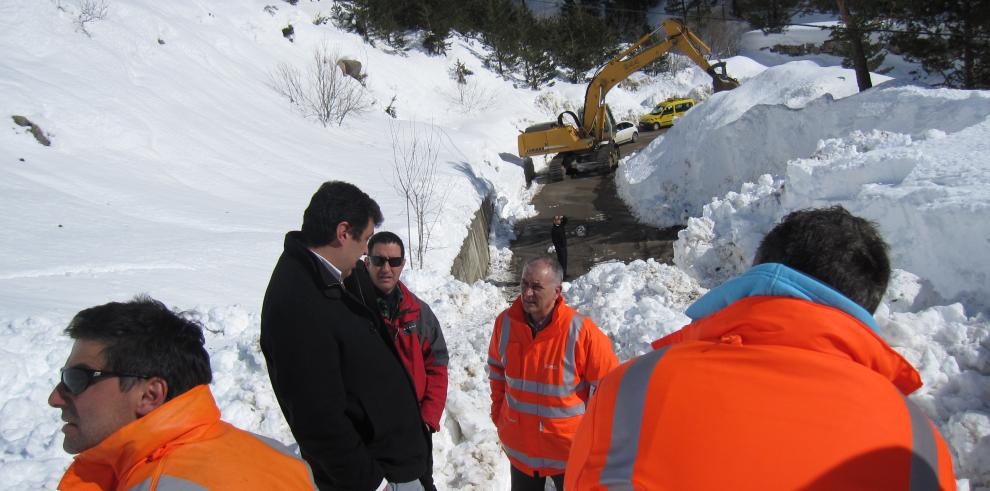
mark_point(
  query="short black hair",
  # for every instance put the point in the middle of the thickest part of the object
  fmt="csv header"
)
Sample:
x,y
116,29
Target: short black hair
x,y
386,238
144,337
333,203
845,251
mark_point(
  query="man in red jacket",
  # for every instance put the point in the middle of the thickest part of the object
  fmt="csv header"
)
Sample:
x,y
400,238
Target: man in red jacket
x,y
416,332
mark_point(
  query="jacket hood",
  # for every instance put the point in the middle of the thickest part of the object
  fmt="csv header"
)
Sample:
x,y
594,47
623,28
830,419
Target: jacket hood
x,y
151,437
777,280
775,305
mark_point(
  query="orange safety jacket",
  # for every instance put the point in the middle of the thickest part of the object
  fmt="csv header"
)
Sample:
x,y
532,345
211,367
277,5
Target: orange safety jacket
x,y
767,393
540,385
184,445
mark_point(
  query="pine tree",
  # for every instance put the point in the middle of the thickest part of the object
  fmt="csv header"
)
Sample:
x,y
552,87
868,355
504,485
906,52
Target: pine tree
x,y
951,38
499,35
535,61
768,15
572,28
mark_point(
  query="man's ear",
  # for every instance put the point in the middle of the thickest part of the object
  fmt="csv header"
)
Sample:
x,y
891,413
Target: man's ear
x,y
340,234
153,394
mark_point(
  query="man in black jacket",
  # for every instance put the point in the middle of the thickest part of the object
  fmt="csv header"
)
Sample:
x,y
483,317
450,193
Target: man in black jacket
x,y
338,379
558,235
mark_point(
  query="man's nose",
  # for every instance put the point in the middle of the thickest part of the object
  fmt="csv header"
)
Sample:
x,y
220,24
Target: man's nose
x,y
55,399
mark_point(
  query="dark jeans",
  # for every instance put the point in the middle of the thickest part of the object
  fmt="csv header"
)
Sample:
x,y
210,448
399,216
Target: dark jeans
x,y
427,479
524,482
561,255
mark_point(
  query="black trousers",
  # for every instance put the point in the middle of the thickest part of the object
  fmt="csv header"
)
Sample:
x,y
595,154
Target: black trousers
x,y
561,255
427,479
525,482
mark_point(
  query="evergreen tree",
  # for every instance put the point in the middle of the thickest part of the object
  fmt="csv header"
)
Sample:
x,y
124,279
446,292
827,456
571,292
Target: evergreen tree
x,y
626,19
499,35
580,40
353,17
951,38
767,15
856,38
535,61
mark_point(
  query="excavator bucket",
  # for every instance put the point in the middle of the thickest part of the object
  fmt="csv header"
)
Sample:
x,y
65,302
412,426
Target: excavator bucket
x,y
721,81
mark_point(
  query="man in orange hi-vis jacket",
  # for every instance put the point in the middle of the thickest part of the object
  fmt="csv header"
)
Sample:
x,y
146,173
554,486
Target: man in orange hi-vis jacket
x,y
782,382
544,361
139,414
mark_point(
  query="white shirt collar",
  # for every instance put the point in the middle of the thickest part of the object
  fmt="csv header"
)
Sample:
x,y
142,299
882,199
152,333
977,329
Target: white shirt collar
x,y
329,265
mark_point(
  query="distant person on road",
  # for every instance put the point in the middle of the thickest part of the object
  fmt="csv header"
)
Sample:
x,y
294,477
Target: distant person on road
x,y
416,332
338,379
781,382
558,235
544,361
139,413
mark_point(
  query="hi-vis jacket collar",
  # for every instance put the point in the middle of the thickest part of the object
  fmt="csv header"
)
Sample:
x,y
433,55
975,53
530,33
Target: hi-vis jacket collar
x,y
777,280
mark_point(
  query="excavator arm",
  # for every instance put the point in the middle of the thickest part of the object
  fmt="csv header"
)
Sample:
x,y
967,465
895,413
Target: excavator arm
x,y
648,48
556,136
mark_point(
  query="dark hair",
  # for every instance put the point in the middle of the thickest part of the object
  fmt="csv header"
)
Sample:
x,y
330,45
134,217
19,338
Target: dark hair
x,y
834,246
386,238
144,337
555,268
335,202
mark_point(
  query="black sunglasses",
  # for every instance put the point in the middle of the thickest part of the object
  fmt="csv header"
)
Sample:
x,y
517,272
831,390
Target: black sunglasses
x,y
379,261
78,379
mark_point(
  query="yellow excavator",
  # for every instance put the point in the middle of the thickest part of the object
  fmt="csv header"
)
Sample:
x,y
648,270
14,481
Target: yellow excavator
x,y
586,140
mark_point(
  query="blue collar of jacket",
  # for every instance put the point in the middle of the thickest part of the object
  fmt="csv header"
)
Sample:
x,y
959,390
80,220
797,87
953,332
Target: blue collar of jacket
x,y
777,280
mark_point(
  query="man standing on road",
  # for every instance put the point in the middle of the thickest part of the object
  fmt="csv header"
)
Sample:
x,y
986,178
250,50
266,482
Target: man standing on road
x,y
781,382
336,374
544,361
138,411
415,331
558,235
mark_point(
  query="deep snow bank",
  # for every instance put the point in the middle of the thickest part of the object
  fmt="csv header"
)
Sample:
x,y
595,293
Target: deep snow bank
x,y
732,138
927,189
921,174
912,159
635,303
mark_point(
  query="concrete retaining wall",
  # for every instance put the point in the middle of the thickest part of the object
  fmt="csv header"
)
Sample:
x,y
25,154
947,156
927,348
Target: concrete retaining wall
x,y
471,263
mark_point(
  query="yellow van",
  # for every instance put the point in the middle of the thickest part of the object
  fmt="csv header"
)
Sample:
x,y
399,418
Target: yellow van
x,y
665,113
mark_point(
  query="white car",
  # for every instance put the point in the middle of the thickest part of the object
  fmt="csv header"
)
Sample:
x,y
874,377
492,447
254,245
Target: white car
x,y
626,132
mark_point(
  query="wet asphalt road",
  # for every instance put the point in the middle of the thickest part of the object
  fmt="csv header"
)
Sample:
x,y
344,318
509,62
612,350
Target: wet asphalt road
x,y
591,201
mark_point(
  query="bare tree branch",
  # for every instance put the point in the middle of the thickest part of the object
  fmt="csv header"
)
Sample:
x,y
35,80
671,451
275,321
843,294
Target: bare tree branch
x,y
324,92
415,173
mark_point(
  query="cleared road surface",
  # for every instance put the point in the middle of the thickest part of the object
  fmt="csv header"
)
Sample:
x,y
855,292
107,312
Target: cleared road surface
x,y
611,233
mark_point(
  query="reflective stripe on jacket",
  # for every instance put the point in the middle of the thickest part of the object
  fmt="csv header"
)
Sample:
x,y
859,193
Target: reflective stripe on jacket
x,y
767,393
184,445
540,385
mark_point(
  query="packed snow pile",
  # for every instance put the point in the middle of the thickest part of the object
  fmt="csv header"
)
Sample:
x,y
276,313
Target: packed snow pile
x,y
912,160
635,303
925,180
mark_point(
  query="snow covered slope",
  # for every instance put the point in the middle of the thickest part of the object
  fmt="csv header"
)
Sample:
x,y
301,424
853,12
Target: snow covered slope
x,y
175,170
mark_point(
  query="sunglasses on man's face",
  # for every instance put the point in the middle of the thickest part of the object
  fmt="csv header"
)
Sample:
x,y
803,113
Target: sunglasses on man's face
x,y
379,261
78,379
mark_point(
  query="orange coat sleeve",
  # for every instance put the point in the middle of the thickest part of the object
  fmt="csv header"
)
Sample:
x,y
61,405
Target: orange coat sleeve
x,y
496,370
599,357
